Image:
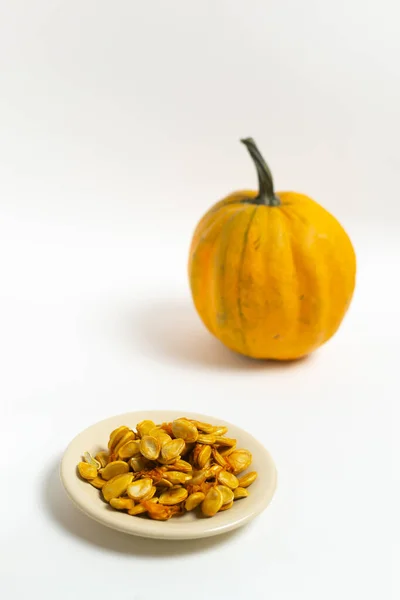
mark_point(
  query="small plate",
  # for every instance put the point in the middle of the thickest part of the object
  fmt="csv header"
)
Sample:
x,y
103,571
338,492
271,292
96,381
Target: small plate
x,y
188,526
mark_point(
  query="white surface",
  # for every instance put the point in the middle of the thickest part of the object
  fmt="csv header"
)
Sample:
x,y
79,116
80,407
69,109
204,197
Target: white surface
x,y
188,526
119,127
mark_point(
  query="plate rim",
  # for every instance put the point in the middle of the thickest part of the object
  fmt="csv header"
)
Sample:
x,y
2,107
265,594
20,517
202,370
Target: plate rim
x,y
136,527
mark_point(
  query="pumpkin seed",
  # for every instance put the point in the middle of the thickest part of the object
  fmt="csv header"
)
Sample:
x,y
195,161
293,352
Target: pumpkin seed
x,y
151,494
140,488
140,508
226,451
87,471
227,494
182,428
164,483
158,511
129,435
212,502
136,510
219,431
188,448
138,463
116,486
91,461
228,479
122,503
160,435
150,447
181,465
102,458
206,438
173,496
239,460
116,435
219,458
198,477
177,477
117,467
247,479
204,427
97,482
131,448
224,441
194,500
213,471
203,456
172,450
144,427
226,506
240,492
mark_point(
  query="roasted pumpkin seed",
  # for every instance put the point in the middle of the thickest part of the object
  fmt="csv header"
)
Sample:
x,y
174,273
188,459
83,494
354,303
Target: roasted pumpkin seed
x,y
206,438
227,494
172,450
150,447
239,460
224,441
158,511
180,465
182,428
127,437
97,482
204,427
248,479
137,509
240,492
177,477
173,496
138,463
122,503
219,458
164,483
198,477
144,427
131,448
219,431
102,458
140,488
91,461
116,435
203,456
228,479
212,502
160,434
226,506
194,500
117,467
213,471
87,471
116,486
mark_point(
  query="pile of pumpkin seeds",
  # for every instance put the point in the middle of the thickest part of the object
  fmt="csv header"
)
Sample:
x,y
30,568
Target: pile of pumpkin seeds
x,y
169,469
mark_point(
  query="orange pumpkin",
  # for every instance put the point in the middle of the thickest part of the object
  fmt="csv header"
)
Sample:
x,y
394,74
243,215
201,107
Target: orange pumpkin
x,y
271,274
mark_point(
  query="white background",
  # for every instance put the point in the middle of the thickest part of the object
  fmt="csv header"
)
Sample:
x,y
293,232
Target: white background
x,y
119,127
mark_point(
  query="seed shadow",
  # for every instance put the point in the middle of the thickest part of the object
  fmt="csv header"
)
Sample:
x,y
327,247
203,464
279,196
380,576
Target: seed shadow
x,y
170,330
77,525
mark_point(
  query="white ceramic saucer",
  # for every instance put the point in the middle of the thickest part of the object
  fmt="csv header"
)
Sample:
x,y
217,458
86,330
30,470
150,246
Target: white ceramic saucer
x,y
188,526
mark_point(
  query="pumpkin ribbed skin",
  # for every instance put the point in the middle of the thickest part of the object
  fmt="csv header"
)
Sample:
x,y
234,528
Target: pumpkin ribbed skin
x,y
271,282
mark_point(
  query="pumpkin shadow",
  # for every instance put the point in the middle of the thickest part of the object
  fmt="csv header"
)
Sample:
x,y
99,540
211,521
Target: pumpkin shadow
x,y
171,330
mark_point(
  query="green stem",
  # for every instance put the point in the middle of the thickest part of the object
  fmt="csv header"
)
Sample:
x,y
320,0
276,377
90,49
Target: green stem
x,y
266,194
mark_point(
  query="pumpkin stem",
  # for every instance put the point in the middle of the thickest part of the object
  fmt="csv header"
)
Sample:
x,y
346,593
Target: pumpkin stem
x,y
266,194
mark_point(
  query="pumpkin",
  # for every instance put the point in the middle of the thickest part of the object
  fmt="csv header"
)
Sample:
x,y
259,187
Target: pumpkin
x,y
271,274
